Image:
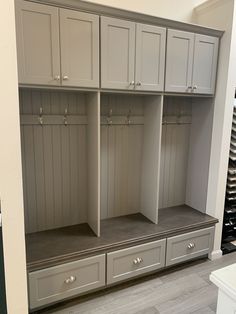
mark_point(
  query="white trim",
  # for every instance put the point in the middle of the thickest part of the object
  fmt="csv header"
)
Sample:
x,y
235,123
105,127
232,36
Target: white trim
x,y
214,255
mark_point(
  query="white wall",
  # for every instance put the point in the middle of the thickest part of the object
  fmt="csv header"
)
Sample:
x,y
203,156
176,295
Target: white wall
x,y
171,9
222,15
10,167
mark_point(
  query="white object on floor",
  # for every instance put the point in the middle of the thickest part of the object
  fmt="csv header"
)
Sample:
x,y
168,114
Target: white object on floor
x,y
225,280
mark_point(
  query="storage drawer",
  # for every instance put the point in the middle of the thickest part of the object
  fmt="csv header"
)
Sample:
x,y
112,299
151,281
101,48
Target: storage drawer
x,y
189,245
57,283
130,262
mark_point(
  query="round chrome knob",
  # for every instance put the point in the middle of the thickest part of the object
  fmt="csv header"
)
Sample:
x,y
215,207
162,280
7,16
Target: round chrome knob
x,y
70,280
135,261
139,84
65,77
57,77
191,245
189,88
194,87
132,83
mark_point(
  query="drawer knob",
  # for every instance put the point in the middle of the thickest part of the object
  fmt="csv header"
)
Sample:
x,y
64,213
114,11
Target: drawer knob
x,y
132,83
71,279
57,77
191,245
65,77
137,260
139,84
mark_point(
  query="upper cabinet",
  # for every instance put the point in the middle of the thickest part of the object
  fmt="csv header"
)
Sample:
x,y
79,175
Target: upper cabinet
x,y
79,48
57,51
191,63
117,53
132,55
38,43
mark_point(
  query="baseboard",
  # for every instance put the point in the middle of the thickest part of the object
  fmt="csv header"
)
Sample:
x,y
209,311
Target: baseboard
x,y
215,255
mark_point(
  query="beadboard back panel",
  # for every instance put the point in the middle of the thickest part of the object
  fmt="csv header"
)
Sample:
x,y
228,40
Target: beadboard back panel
x,y
54,159
175,151
130,155
121,157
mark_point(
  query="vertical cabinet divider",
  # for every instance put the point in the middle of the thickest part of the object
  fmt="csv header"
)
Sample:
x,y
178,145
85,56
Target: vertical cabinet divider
x,y
151,157
93,103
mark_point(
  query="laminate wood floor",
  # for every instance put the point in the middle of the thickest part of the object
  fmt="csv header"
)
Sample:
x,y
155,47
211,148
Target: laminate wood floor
x,y
183,290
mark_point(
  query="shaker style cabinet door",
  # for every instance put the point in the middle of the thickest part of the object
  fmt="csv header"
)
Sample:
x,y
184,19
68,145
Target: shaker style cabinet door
x,y
179,61
205,64
79,48
37,28
117,53
150,57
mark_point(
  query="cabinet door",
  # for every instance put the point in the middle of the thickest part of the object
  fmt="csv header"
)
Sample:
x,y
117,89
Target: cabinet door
x,y
205,64
117,53
179,61
37,29
150,57
79,48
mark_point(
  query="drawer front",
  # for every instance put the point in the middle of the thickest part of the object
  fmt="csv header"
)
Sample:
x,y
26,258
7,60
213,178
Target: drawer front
x,y
71,279
189,245
130,262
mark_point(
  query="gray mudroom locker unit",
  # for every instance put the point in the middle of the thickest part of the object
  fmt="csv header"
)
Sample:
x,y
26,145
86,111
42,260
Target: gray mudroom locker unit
x,y
116,112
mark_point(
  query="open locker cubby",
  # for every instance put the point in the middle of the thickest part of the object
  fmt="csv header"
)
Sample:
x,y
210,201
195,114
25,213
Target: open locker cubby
x,y
130,155
185,151
60,144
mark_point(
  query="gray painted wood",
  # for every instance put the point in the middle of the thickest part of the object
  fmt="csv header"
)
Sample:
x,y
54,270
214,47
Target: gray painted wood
x,y
151,157
37,28
178,250
93,139
117,53
205,64
199,153
55,159
121,264
134,16
121,156
57,246
174,151
150,57
49,285
179,61
79,40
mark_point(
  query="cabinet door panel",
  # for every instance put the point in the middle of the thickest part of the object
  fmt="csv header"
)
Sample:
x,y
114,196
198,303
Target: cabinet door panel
x,y
179,61
205,64
150,57
117,53
79,48
37,29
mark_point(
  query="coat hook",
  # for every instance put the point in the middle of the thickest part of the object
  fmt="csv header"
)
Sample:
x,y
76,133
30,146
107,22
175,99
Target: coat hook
x,y
128,117
41,116
109,119
65,117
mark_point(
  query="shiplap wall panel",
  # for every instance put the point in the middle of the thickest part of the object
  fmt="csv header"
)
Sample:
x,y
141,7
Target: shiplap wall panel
x,y
174,153
54,159
121,157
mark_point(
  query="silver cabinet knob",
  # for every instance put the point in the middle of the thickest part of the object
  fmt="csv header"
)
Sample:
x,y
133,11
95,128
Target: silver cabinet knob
x,y
194,87
132,83
139,84
65,77
191,245
57,77
70,280
137,260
